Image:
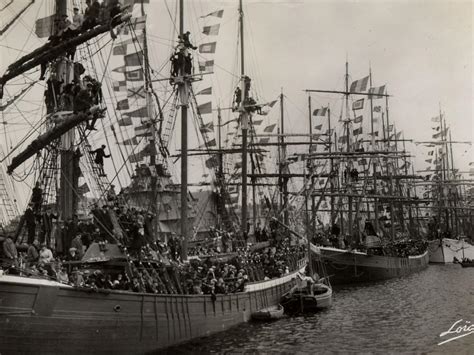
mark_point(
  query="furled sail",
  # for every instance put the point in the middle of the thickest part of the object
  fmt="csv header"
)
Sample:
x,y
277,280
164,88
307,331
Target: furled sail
x,y
64,122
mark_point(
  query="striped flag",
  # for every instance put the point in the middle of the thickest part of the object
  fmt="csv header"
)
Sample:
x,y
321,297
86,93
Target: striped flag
x,y
207,91
358,104
208,47
320,111
270,128
211,30
205,108
359,85
218,13
377,92
143,130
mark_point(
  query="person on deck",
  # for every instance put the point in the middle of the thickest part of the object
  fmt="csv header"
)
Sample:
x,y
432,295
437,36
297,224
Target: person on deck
x,y
30,221
37,197
10,252
45,255
99,158
47,221
32,254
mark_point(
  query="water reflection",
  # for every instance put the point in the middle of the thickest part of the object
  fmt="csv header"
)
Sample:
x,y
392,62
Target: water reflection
x,y
400,315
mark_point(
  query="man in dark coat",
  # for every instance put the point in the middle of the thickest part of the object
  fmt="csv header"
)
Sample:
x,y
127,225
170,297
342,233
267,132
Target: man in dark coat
x,y
30,221
99,158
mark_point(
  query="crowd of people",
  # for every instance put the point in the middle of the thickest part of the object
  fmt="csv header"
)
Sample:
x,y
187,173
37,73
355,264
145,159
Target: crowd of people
x,y
156,267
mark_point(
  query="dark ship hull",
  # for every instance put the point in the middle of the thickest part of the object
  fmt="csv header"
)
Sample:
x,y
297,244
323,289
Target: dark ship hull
x,y
349,267
38,316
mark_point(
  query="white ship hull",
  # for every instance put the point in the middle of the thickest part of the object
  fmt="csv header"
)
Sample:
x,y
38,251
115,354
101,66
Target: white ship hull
x,y
445,250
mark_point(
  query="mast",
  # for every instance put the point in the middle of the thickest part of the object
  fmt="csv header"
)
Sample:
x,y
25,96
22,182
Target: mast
x,y
283,163
220,168
311,230
67,197
455,197
244,123
151,116
374,168
331,167
183,92
389,167
349,198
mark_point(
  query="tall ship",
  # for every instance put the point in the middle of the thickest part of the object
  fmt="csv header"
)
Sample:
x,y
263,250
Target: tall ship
x,y
366,229
447,192
156,263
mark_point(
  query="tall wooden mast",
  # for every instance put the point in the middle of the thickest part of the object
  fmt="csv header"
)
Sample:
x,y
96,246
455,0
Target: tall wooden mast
x,y
67,198
151,117
183,88
244,122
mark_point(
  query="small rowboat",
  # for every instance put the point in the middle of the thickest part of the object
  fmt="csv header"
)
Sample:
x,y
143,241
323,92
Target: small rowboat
x,y
467,263
269,313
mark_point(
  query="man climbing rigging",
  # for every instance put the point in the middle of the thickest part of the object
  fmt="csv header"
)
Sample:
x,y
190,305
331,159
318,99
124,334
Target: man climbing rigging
x,y
99,158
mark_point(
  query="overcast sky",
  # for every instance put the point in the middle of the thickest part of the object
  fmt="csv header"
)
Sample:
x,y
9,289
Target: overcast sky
x,y
422,51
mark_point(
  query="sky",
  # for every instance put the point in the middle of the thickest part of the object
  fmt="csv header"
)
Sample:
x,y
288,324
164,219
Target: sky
x,y
422,51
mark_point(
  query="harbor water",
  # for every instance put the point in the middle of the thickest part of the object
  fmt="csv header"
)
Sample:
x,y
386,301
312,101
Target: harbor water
x,y
405,315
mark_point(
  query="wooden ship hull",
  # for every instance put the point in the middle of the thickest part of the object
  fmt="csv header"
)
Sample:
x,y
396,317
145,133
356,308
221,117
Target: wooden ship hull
x,y
39,316
349,267
444,251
